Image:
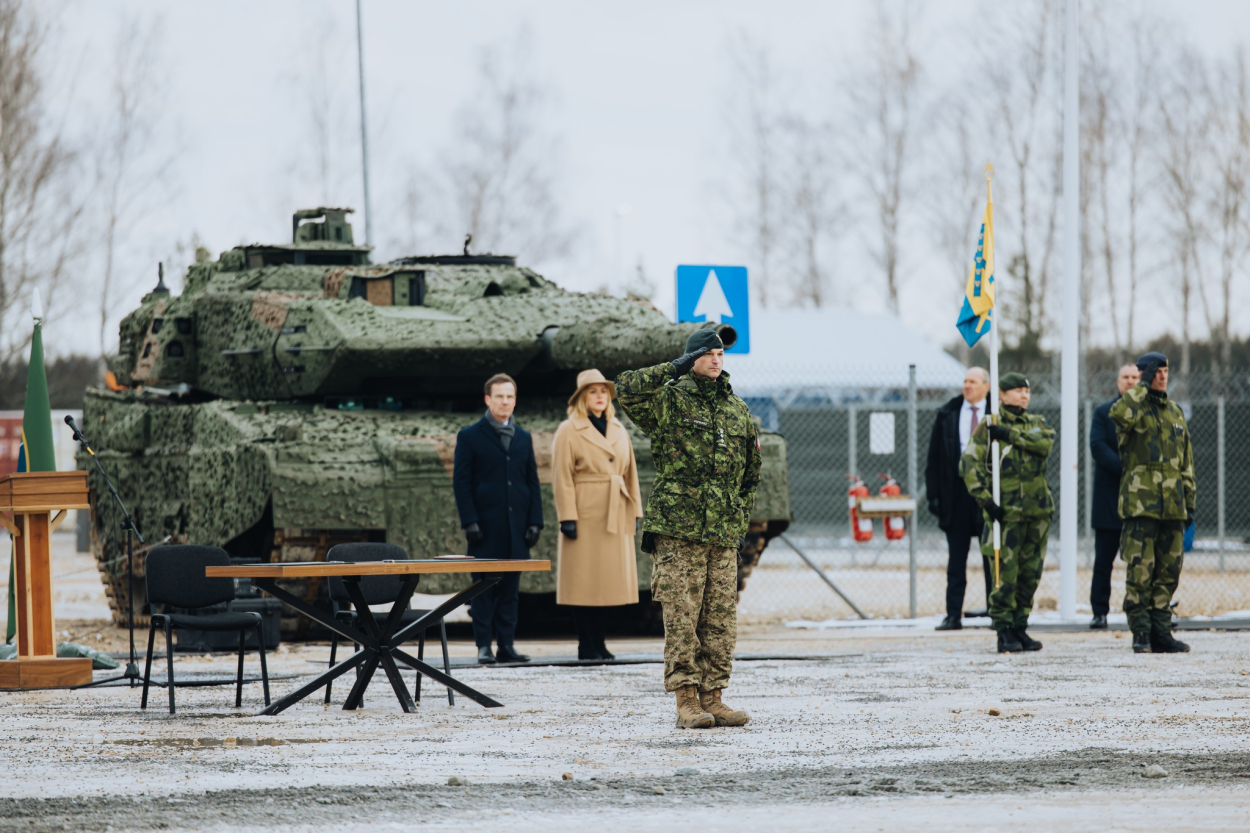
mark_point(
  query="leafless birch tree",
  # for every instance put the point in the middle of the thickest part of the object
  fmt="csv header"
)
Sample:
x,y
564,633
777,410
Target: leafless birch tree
x,y
133,164
39,206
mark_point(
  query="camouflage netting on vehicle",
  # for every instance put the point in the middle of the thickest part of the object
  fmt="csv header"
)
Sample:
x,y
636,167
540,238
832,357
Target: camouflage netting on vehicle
x,y
296,396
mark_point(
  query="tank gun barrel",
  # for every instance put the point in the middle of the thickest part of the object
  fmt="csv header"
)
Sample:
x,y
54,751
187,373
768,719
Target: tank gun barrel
x,y
618,345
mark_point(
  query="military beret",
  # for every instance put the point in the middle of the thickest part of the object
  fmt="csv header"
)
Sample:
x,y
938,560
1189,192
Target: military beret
x,y
1011,381
704,338
1152,360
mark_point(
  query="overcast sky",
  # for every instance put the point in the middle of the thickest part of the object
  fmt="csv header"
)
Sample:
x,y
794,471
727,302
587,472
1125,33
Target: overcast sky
x,y
639,112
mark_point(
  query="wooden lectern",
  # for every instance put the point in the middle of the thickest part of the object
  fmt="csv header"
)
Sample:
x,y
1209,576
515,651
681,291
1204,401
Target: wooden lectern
x,y
38,501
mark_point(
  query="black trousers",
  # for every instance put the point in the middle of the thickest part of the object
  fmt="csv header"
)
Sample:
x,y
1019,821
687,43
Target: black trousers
x,y
964,532
494,612
1106,547
592,627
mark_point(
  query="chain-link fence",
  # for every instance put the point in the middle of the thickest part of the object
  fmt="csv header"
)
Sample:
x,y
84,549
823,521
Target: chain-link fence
x,y
842,422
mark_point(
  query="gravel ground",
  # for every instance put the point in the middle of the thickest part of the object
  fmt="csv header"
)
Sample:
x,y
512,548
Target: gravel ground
x,y
886,731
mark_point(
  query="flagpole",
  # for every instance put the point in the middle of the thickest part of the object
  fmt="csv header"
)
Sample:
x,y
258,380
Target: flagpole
x,y
1069,419
993,395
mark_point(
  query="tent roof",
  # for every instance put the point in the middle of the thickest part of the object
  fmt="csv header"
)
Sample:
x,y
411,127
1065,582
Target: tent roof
x,y
836,350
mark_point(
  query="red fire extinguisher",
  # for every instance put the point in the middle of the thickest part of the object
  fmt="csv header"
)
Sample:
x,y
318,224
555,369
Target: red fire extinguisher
x,y
895,526
861,528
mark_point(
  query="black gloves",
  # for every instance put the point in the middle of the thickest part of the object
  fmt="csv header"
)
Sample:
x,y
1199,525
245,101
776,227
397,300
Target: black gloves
x,y
473,534
1149,365
531,535
682,364
648,543
1000,432
994,511
569,529
1189,519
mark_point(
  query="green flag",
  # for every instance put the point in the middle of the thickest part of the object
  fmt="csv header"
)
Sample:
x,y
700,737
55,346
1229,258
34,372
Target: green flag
x,y
38,451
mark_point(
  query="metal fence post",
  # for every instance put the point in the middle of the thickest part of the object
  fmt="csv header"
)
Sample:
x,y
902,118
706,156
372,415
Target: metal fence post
x,y
912,484
852,442
1219,467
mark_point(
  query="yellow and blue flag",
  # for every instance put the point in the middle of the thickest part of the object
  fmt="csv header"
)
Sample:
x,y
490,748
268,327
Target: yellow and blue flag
x,y
975,319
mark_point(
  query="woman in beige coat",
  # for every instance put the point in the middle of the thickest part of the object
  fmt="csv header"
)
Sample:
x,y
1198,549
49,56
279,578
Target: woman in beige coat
x,y
595,482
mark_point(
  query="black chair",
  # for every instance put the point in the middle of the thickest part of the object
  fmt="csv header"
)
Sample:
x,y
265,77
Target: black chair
x,y
378,590
175,578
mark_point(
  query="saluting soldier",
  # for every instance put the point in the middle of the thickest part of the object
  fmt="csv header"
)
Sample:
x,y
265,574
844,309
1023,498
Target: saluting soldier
x,y
1157,501
707,464
1024,441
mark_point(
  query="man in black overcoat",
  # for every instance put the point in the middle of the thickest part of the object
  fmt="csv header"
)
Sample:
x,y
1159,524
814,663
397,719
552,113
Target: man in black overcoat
x,y
1105,513
495,480
958,514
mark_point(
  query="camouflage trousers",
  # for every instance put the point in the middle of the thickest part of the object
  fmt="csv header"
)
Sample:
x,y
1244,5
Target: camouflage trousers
x,y
1154,552
697,585
1020,569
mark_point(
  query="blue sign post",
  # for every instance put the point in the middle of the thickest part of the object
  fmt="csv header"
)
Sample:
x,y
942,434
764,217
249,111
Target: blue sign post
x,y
716,293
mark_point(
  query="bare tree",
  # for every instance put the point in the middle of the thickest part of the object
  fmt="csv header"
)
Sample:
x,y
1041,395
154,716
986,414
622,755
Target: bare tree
x,y
884,98
39,208
954,192
1024,104
132,161
502,168
814,214
1183,126
1229,202
755,125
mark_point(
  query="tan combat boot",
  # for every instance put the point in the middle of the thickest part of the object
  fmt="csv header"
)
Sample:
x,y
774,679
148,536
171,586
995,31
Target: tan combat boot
x,y
689,714
725,716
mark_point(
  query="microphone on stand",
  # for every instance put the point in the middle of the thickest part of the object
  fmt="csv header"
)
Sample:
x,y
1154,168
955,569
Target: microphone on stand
x,y
78,437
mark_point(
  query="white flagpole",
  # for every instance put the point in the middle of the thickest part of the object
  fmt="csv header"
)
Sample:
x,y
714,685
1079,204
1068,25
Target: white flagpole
x,y
993,395
1069,419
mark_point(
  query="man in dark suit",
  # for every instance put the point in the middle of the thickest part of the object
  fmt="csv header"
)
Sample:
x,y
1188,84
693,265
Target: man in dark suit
x,y
1105,514
495,480
958,514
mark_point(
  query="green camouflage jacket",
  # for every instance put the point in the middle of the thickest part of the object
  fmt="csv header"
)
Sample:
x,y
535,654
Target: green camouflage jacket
x,y
1157,457
1023,490
706,452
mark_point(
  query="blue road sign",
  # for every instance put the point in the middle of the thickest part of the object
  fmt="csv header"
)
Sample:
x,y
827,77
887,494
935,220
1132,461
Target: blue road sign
x,y
716,293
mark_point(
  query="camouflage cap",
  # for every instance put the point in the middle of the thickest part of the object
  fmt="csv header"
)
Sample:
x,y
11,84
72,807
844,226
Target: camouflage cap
x,y
1011,381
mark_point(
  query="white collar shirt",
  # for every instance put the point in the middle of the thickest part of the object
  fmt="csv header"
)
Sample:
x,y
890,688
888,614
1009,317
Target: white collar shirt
x,y
965,421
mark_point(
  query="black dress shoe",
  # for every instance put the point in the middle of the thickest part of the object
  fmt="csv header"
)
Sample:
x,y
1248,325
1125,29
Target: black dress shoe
x,y
950,623
1027,642
507,653
604,653
1099,622
484,656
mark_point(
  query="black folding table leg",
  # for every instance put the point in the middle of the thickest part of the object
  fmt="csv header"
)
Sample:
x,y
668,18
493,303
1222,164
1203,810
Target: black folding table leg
x,y
264,666
364,675
444,679
238,683
334,649
147,668
442,633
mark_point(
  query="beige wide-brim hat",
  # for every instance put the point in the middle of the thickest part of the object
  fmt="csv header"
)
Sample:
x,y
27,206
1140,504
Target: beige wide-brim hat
x,y
591,377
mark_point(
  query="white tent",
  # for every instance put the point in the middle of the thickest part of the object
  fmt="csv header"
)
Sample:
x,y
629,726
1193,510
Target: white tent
x,y
821,350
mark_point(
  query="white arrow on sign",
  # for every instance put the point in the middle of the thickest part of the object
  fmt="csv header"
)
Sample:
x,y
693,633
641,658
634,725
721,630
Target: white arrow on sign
x,y
712,301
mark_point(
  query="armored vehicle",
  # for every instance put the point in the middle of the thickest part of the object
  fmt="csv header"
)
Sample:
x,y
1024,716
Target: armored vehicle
x,y
297,396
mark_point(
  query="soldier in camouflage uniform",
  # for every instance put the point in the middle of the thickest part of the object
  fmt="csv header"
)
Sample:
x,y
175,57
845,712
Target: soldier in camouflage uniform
x,y
707,463
1024,515
1157,502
